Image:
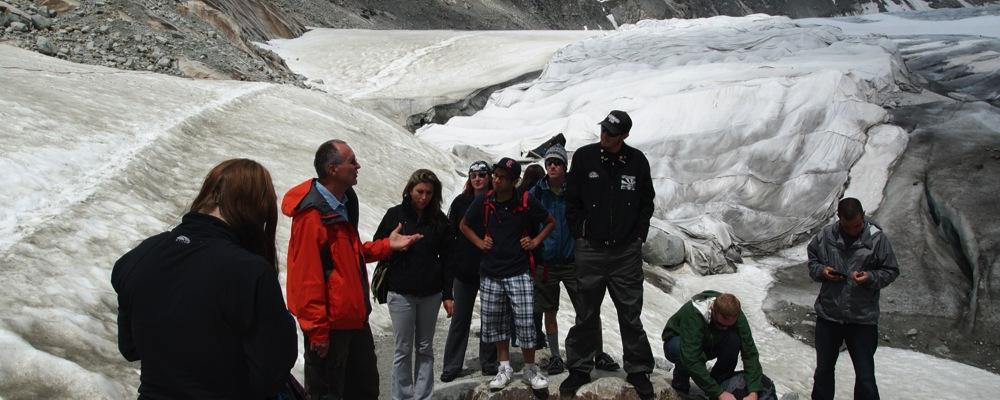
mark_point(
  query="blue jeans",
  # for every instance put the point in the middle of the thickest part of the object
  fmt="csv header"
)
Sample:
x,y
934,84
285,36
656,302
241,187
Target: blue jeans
x,y
727,350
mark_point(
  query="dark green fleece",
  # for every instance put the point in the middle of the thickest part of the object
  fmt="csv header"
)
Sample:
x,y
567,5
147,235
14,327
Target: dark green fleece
x,y
695,333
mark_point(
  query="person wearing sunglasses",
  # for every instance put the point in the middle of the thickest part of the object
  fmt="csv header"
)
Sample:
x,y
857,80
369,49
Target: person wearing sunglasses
x,y
465,287
609,202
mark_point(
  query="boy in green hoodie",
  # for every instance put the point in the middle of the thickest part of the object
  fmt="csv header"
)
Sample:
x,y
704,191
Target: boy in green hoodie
x,y
711,325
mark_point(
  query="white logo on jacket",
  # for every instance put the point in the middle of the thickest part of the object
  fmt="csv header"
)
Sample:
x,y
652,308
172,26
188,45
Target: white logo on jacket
x,y
593,175
628,182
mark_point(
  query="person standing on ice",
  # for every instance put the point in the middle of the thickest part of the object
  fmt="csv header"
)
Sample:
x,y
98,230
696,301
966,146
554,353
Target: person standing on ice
x,y
418,282
200,305
464,260
327,279
711,325
854,260
498,223
609,202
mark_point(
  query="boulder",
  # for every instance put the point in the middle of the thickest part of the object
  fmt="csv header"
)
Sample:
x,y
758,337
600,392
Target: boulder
x,y
198,70
59,6
704,243
44,46
164,62
41,22
663,249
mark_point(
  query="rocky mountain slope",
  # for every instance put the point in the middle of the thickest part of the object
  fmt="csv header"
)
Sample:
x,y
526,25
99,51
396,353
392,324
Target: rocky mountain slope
x,y
213,39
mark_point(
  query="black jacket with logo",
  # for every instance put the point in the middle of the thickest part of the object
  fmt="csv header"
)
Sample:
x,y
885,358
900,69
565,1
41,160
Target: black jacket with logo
x,y
609,198
203,314
422,269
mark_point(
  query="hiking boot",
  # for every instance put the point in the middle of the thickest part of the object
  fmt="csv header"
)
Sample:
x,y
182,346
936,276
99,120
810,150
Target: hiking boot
x,y
533,376
643,387
573,383
604,362
502,378
556,366
448,376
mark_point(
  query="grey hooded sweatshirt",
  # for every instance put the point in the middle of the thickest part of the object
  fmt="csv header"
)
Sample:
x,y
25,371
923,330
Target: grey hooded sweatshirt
x,y
847,301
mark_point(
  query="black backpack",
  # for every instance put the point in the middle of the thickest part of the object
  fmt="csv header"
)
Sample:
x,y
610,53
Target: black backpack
x,y
737,385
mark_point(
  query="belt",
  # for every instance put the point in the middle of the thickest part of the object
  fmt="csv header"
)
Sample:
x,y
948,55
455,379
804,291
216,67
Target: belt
x,y
607,244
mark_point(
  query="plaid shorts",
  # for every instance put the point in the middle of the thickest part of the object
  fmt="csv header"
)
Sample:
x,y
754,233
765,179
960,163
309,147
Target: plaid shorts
x,y
501,297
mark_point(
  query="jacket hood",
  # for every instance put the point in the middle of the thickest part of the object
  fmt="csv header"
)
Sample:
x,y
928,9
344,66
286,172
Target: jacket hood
x,y
866,239
703,303
304,197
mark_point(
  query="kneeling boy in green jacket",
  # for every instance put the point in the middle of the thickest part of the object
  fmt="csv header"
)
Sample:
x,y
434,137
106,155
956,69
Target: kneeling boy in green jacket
x,y
711,325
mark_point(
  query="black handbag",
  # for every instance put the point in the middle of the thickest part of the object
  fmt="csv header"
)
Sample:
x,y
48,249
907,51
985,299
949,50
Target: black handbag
x,y
380,282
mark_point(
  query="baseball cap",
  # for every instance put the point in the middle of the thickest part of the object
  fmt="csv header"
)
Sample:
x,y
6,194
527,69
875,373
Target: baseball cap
x,y
480,166
556,151
510,165
617,123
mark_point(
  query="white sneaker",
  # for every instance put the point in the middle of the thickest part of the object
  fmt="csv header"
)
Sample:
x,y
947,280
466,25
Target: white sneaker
x,y
502,379
533,376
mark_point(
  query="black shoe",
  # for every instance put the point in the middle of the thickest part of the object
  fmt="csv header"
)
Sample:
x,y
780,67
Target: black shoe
x,y
604,362
640,381
573,383
491,370
556,366
448,376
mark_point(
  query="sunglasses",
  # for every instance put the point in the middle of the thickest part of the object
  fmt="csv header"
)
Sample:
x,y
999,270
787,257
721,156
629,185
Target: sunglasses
x,y
479,175
554,161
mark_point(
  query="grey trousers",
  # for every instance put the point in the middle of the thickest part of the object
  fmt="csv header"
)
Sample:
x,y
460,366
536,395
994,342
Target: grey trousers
x,y
619,271
458,332
413,321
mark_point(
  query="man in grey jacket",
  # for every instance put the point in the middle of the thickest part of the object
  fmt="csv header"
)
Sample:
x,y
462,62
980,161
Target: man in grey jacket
x,y
854,260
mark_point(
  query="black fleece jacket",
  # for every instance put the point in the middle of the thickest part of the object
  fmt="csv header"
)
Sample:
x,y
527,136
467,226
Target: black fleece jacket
x,y
609,197
204,315
421,270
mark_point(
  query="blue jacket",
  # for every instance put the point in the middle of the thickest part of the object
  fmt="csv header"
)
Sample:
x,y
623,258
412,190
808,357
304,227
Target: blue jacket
x,y
559,245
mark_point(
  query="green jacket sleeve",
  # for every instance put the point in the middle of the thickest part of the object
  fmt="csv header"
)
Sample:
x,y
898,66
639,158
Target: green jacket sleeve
x,y
692,357
751,359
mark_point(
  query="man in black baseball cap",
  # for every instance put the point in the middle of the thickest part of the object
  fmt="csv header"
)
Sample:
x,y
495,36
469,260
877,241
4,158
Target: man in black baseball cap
x,y
609,201
617,123
511,166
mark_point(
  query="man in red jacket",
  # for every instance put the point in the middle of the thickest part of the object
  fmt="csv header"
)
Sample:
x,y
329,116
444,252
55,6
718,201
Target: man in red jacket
x,y
327,278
